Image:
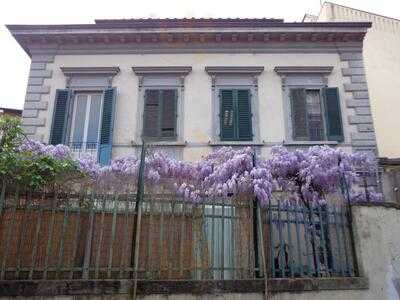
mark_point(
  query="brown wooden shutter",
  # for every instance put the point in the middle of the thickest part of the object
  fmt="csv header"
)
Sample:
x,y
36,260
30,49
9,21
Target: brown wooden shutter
x,y
168,113
299,114
151,114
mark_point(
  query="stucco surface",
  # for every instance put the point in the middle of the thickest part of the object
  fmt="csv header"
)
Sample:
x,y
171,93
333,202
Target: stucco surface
x,y
198,95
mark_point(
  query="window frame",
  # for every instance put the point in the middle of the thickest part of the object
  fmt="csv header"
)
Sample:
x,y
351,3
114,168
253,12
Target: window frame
x,y
160,138
235,77
254,102
235,115
304,77
323,112
87,114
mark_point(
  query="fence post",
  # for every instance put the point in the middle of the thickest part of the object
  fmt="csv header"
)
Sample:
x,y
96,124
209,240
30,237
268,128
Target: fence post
x,y
2,196
260,240
137,224
263,269
89,237
346,193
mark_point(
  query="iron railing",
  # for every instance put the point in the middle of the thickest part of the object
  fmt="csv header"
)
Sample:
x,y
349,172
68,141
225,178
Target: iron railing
x,y
308,241
91,236
79,149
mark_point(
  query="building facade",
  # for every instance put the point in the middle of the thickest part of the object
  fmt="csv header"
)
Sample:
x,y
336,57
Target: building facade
x,y
190,85
381,63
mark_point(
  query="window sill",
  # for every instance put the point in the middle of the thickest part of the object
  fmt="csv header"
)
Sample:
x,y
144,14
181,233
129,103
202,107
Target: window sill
x,y
29,288
236,143
310,143
162,143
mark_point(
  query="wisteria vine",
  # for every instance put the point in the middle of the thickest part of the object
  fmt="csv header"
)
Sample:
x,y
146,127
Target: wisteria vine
x,y
309,175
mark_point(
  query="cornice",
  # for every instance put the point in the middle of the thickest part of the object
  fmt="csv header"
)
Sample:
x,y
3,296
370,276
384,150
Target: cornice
x,y
165,70
83,71
226,70
92,36
290,70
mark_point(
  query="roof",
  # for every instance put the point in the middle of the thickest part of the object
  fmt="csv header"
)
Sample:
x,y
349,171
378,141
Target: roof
x,y
10,111
191,22
188,23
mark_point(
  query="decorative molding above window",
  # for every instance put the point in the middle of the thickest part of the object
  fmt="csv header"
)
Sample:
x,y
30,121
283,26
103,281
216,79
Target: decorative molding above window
x,y
89,77
90,71
235,104
168,70
234,70
244,73
300,70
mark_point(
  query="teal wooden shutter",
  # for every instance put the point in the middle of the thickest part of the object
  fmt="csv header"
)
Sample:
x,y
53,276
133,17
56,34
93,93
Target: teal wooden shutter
x,y
333,116
299,114
226,115
244,124
107,126
168,113
60,117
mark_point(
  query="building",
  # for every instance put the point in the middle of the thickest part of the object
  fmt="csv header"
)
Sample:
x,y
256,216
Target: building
x,y
188,85
381,62
10,112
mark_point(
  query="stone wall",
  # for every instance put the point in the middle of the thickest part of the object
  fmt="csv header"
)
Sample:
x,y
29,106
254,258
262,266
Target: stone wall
x,y
358,98
34,99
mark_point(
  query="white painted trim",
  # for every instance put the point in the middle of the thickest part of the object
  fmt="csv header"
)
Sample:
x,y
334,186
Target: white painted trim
x,y
309,70
90,71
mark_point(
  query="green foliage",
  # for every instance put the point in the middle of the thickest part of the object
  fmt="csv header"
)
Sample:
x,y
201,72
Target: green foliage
x,y
11,133
27,168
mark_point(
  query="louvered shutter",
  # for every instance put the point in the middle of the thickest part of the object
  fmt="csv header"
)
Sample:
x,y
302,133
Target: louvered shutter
x,y
168,113
151,114
107,126
333,116
244,123
299,114
60,117
227,122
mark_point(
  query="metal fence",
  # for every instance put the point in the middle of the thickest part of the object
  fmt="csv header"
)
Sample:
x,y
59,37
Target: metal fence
x,y
91,236
308,242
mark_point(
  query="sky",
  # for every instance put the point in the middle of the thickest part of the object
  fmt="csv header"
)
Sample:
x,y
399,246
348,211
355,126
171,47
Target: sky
x,y
14,62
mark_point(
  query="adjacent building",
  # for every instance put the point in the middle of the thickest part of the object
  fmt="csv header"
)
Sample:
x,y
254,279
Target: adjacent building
x,y
190,85
10,112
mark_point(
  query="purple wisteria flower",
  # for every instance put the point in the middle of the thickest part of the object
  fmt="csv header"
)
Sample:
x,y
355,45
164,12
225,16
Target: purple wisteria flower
x,y
59,152
308,176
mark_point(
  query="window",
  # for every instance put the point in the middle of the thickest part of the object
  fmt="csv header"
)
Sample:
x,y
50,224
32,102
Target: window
x,y
160,112
315,114
86,119
235,115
